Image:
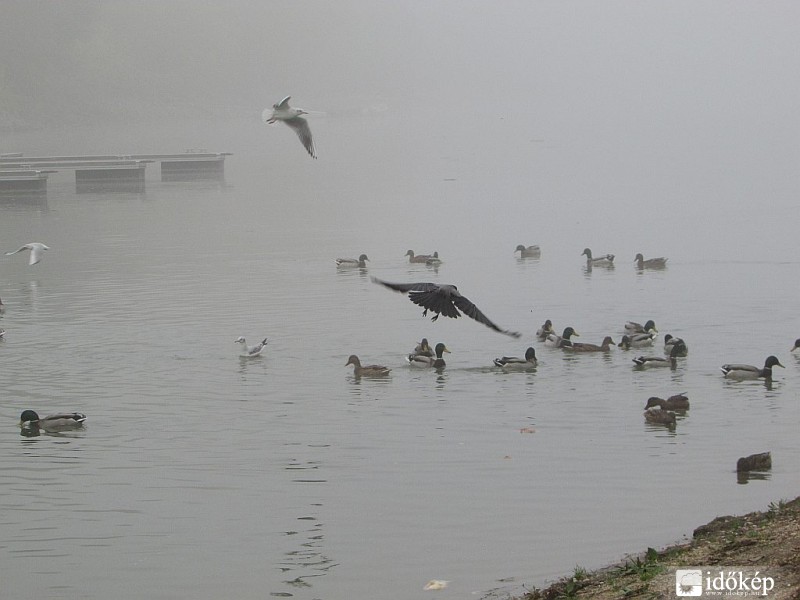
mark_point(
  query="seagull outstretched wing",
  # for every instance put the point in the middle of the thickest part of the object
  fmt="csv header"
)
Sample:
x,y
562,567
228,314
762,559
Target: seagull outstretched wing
x,y
303,131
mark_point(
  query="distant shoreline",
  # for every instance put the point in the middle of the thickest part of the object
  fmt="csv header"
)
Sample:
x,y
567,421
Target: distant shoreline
x,y
769,540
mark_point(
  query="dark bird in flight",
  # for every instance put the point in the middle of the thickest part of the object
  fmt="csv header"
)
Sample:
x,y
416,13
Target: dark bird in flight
x,y
443,300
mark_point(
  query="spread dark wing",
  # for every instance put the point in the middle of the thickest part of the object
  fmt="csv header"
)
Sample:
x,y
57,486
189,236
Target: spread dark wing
x,y
406,287
473,312
434,300
303,131
426,295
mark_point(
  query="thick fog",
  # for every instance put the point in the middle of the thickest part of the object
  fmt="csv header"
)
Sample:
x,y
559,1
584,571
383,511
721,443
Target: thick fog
x,y
685,97
610,67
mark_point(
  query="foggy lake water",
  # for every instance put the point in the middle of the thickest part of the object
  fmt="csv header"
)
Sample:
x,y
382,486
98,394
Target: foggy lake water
x,y
202,474
465,128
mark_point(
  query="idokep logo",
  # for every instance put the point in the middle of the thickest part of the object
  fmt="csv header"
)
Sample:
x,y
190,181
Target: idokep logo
x,y
689,582
716,581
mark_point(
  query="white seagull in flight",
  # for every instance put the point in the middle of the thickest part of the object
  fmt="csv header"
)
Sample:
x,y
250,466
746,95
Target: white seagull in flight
x,y
37,250
281,111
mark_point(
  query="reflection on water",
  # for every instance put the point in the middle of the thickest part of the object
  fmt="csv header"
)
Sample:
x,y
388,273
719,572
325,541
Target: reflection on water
x,y
308,560
745,477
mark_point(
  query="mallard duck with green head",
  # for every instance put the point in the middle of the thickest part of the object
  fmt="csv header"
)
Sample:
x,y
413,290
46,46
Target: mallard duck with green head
x,y
632,327
545,330
637,340
561,341
604,260
517,363
671,342
55,422
741,371
425,361
646,362
528,252
433,260
352,263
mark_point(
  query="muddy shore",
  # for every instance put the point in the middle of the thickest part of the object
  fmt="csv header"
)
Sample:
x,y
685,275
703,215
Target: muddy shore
x,y
768,541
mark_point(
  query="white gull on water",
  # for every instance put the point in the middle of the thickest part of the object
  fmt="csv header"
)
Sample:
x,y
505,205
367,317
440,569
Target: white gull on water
x,y
251,350
281,111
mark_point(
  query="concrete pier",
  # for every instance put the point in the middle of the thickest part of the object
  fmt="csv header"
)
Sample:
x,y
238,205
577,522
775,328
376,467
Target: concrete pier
x,y
122,176
193,166
23,181
114,173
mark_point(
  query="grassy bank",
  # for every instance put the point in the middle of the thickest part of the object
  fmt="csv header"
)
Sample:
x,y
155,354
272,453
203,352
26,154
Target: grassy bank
x,y
768,539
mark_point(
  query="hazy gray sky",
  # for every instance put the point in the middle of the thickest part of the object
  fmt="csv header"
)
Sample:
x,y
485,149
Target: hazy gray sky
x,y
702,89
653,64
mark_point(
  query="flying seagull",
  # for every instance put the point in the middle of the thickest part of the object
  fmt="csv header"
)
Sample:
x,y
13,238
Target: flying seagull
x,y
281,111
443,300
36,248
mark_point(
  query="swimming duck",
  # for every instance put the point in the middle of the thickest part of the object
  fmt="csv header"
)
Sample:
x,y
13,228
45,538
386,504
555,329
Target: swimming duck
x,y
443,299
418,258
563,340
529,252
670,342
755,462
650,263
637,340
423,348
55,422
634,327
250,351
605,346
514,362
352,263
659,416
360,370
740,371
796,345
2,333
434,260
658,361
604,260
545,330
421,360
676,402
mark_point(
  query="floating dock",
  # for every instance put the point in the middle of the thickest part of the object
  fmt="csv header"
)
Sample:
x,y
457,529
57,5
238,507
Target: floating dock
x,y
23,181
103,173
